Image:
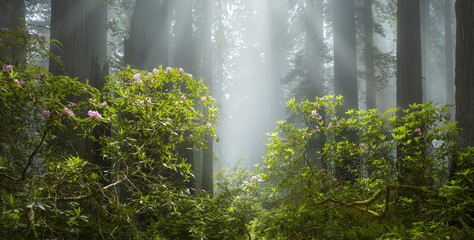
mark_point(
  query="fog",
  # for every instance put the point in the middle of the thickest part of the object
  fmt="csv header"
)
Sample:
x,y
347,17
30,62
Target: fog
x,y
262,55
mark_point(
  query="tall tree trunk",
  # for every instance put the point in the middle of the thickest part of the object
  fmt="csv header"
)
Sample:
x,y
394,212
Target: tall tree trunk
x,y
183,56
183,53
68,27
12,17
207,163
147,46
450,99
409,80
465,70
314,47
345,73
80,28
425,47
345,62
370,86
97,67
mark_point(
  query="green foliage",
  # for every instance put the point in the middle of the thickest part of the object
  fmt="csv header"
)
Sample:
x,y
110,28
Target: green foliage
x,y
391,166
368,175
135,127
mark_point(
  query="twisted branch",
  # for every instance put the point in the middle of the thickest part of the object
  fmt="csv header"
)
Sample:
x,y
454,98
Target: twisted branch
x,y
389,187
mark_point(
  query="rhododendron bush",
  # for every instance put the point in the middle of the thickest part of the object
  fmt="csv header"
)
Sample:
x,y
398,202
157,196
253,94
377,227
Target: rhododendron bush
x,y
334,173
72,156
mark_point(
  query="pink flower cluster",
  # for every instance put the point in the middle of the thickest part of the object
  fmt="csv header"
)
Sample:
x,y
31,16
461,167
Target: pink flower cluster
x,y
42,36
47,113
21,82
68,112
7,68
94,114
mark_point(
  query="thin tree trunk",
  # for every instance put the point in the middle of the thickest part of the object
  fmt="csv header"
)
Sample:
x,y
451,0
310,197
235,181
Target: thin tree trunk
x,y
425,47
449,52
207,164
370,89
314,47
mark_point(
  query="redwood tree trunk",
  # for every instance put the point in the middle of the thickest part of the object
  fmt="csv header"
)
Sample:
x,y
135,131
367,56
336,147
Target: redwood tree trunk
x,y
370,88
207,164
147,46
345,62
449,52
465,70
68,27
314,47
409,80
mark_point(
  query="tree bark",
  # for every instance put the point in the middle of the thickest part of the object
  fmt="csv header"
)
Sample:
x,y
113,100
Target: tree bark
x,y
450,99
409,80
345,62
208,164
314,47
425,47
370,89
12,17
68,27
464,78
147,46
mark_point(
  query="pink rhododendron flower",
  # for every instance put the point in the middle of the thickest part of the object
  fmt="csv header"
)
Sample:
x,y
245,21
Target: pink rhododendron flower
x,y
330,125
104,104
47,113
246,182
317,127
361,145
137,76
320,99
94,114
342,120
21,82
418,130
68,112
304,133
314,113
254,177
190,135
319,117
208,124
322,170
148,100
334,179
203,99
168,69
181,70
183,97
7,68
155,70
91,101
42,36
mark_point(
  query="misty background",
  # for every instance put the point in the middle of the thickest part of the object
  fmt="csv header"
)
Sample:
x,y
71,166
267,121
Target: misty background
x,y
263,53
